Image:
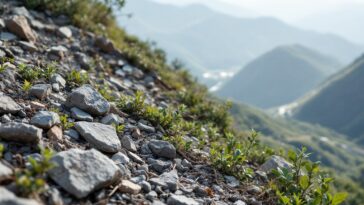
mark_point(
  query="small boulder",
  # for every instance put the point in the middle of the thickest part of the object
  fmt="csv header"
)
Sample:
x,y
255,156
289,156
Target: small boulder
x,y
55,133
80,172
20,132
20,27
8,105
111,119
45,119
64,32
40,91
88,99
162,149
167,180
57,78
128,143
105,44
273,163
100,136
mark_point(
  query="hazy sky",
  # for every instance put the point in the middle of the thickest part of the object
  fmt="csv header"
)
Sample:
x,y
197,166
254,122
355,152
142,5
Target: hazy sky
x,y
288,10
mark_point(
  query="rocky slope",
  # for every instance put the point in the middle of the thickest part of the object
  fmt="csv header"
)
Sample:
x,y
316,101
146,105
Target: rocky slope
x,y
56,86
280,76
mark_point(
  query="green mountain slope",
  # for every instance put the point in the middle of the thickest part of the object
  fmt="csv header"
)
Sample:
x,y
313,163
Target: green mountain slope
x,y
338,103
279,76
208,40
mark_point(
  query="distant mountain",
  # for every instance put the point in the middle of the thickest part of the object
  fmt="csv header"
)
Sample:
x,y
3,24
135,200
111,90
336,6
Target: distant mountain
x,y
338,103
344,21
207,40
280,76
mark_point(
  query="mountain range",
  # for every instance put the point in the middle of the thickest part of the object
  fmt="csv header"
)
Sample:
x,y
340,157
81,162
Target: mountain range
x,y
337,103
280,76
207,40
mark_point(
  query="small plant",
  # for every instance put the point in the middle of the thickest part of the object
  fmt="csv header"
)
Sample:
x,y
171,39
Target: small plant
x,y
31,181
29,73
119,128
65,123
304,183
49,70
77,78
26,85
2,149
105,91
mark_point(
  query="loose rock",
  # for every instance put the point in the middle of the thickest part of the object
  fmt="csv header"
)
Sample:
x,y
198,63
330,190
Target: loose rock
x,y
88,99
20,132
8,198
100,136
79,114
41,91
162,149
129,187
180,200
5,172
128,143
273,163
19,26
167,180
45,119
8,105
81,172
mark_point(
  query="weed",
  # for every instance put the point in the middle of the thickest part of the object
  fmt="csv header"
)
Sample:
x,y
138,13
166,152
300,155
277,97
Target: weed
x,y
29,73
77,78
2,149
31,181
26,86
65,123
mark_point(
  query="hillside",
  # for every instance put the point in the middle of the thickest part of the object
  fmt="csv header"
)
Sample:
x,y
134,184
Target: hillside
x,y
341,93
207,40
92,115
279,76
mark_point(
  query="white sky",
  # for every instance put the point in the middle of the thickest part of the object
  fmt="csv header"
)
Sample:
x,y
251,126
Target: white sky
x,y
288,10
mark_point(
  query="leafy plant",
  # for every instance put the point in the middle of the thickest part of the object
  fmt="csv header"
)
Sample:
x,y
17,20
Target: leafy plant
x,y
49,70
29,73
65,123
105,91
77,78
304,183
2,149
32,180
26,85
119,128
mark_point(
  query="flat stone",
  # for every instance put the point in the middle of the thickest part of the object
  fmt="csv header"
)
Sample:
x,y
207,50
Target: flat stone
x,y
20,132
79,114
29,46
8,198
273,163
162,149
8,105
180,200
120,158
146,128
128,143
129,187
41,91
6,36
159,165
64,32
5,172
80,172
167,180
45,119
100,136
72,133
57,78
111,119
135,158
20,27
88,99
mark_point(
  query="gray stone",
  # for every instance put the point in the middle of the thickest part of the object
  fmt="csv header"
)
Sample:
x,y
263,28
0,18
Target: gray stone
x,y
88,99
2,23
8,105
128,143
111,119
273,163
8,198
56,78
167,180
79,114
120,158
5,172
232,181
29,46
45,119
162,149
55,87
146,128
135,158
80,172
181,200
100,136
104,44
159,165
151,196
64,32
239,202
72,133
20,27
200,191
146,187
57,52
21,11
41,91
6,36
20,132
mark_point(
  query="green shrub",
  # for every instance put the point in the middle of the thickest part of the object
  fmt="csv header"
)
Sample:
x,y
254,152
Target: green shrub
x,y
31,181
77,78
304,183
26,86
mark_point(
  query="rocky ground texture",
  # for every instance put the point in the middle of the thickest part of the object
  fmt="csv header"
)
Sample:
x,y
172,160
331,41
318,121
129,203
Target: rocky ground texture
x,y
95,163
